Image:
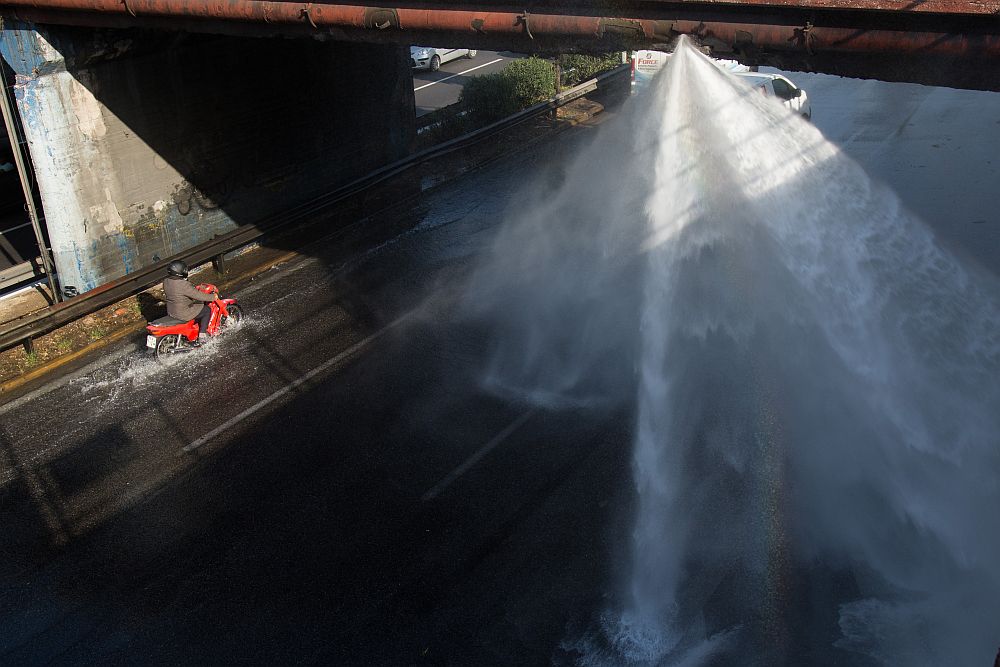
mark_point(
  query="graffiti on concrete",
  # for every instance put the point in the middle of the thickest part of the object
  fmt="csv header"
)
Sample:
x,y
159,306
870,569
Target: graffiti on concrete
x,y
209,196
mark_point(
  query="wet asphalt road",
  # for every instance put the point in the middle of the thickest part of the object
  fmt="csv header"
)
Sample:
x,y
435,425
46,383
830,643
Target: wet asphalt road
x,y
434,90
335,524
386,509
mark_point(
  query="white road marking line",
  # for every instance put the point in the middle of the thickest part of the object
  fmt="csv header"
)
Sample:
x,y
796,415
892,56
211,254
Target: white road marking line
x,y
428,85
474,459
296,383
27,224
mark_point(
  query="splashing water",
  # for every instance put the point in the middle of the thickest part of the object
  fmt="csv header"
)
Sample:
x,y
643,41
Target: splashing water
x,y
124,381
814,380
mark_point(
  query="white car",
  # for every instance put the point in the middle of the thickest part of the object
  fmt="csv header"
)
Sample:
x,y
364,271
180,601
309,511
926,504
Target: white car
x,y
427,57
790,95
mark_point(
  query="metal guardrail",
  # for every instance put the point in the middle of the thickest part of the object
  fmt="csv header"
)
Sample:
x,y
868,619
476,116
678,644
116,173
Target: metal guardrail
x,y
22,330
19,273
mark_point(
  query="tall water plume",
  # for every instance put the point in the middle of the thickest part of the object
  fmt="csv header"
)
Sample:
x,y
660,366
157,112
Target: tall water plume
x,y
814,384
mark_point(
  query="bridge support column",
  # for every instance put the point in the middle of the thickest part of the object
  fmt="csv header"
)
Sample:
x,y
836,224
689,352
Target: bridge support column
x,y
146,143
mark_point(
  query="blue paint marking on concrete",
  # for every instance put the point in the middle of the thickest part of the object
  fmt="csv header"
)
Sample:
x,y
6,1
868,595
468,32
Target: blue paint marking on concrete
x,y
26,96
30,96
26,88
128,253
67,278
88,275
20,48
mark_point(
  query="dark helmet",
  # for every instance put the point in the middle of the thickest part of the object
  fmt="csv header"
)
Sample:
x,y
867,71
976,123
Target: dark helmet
x,y
177,268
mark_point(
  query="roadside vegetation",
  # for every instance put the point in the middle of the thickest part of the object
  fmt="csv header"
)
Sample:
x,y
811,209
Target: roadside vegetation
x,y
490,97
577,68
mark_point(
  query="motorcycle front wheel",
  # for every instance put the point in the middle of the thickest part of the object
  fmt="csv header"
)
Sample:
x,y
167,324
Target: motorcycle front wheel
x,y
235,316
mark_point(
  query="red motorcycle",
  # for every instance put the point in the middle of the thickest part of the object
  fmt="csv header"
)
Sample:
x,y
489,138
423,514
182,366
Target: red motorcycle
x,y
169,336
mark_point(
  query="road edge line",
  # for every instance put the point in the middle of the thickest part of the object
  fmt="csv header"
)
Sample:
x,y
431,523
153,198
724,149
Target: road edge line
x,y
332,361
10,385
56,363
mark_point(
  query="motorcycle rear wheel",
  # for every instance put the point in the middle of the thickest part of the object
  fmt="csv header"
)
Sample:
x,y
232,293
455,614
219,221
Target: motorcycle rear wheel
x,y
167,348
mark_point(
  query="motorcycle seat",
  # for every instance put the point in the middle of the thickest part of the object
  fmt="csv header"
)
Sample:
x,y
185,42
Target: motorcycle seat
x,y
167,321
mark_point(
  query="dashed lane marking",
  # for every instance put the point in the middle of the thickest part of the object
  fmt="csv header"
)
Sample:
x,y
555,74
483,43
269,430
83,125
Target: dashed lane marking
x,y
474,459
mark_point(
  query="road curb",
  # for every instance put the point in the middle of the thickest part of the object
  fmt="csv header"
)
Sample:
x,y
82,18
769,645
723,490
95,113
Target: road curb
x,y
229,281
56,363
10,385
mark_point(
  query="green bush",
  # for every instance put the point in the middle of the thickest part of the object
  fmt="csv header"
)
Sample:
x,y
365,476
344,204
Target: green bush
x,y
520,84
489,97
534,80
577,68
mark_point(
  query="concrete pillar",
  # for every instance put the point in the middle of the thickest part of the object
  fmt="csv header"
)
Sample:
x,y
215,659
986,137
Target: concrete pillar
x,y
146,143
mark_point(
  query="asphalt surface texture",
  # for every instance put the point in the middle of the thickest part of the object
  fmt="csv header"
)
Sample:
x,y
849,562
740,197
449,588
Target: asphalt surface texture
x,y
434,90
331,482
331,523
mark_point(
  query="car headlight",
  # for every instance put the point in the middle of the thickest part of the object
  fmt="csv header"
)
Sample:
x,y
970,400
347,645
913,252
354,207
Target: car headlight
x,y
423,53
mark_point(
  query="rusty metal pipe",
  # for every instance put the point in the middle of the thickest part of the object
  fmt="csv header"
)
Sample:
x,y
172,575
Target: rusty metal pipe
x,y
659,8
333,16
817,39
406,25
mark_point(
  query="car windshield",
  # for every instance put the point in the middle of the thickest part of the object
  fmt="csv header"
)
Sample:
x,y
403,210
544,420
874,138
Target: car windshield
x,y
755,80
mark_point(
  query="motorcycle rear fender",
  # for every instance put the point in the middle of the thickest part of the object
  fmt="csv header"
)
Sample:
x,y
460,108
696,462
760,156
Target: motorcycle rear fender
x,y
189,330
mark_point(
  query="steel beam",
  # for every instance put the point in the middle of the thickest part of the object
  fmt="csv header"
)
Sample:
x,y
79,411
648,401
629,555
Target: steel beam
x,y
949,42
657,8
401,24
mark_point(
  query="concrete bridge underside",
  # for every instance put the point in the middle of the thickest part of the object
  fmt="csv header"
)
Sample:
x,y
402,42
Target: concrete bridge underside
x,y
147,143
154,125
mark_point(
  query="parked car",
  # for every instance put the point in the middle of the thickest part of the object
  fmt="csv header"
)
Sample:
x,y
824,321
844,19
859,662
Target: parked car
x,y
646,64
790,95
428,57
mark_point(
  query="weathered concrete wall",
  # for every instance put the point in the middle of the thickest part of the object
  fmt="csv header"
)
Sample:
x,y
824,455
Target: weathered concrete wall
x,y
148,143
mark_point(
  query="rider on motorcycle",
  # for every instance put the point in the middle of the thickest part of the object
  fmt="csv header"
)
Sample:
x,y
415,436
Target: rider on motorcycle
x,y
184,301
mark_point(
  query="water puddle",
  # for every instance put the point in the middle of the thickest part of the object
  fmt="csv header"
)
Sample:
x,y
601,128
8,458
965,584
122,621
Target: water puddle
x,y
128,381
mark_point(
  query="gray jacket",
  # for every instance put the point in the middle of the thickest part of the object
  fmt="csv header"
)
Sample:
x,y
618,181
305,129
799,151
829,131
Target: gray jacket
x,y
184,301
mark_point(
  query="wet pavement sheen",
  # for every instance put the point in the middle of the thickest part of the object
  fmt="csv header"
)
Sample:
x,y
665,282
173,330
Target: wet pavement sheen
x,y
301,532
305,531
